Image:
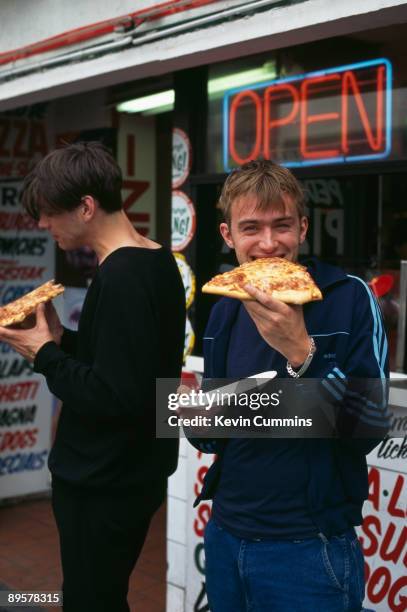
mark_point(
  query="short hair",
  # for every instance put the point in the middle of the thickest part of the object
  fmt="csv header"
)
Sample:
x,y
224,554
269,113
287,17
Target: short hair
x,y
60,180
267,181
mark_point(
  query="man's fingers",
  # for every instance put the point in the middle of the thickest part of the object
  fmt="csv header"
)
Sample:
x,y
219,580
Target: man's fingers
x,y
261,311
10,334
5,333
40,312
265,299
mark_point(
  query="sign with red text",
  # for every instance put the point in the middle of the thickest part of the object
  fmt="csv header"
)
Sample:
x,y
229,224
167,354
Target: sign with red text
x,y
23,140
383,535
198,465
183,221
331,116
136,156
181,157
26,261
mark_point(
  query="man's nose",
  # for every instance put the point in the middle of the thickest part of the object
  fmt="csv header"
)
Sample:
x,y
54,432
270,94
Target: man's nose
x,y
268,242
43,222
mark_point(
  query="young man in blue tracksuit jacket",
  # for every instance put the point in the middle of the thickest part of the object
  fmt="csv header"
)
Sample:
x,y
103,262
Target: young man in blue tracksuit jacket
x,y
281,537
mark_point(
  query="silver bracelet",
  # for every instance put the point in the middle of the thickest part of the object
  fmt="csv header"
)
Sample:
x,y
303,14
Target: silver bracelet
x,y
305,365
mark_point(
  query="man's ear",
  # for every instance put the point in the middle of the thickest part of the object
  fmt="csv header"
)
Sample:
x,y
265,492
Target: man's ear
x,y
226,235
88,208
303,228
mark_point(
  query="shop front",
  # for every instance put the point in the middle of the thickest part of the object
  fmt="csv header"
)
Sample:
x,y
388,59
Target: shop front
x,y
339,124
332,111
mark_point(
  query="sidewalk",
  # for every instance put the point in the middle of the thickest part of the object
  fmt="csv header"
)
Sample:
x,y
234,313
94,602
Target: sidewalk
x,y
29,557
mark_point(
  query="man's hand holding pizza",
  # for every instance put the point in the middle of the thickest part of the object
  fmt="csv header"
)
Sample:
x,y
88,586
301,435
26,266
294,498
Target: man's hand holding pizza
x,y
28,342
281,325
273,290
54,324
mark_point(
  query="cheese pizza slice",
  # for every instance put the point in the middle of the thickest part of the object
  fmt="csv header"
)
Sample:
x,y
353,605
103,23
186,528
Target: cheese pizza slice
x,y
17,311
279,278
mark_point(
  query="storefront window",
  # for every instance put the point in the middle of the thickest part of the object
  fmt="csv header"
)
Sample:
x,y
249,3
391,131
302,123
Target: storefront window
x,y
331,110
330,102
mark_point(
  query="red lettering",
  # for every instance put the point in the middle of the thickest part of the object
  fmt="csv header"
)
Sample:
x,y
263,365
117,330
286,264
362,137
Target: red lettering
x,y
374,545
374,484
310,105
349,82
137,188
18,391
395,554
38,139
23,167
10,272
204,513
6,168
31,436
21,130
131,154
381,578
13,440
200,475
392,509
254,153
307,119
23,146
16,221
401,604
138,217
271,93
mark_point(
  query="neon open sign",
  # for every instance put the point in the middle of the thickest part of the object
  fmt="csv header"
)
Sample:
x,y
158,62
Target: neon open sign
x,y
330,116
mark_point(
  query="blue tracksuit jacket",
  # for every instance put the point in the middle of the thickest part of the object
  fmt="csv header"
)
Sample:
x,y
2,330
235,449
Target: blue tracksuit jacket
x,y
351,346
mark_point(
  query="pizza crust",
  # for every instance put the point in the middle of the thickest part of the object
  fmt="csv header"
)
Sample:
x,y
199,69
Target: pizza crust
x,y
234,293
279,278
15,312
294,297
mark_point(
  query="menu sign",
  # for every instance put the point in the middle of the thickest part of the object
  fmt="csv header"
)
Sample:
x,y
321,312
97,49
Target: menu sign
x,y
26,261
196,597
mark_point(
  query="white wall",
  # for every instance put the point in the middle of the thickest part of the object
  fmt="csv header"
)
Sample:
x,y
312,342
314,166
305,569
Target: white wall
x,y
274,28
24,22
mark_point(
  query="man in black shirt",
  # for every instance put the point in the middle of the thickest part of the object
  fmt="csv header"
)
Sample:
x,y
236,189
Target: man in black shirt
x,y
109,472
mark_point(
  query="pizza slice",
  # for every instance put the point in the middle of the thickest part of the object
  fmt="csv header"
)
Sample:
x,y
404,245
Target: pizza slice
x,y
17,311
283,280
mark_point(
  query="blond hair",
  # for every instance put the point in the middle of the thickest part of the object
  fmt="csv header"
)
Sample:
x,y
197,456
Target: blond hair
x,y
267,181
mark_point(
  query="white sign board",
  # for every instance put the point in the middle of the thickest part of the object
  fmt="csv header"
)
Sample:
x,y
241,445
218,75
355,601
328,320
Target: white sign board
x,y
26,261
198,465
383,534
181,157
183,221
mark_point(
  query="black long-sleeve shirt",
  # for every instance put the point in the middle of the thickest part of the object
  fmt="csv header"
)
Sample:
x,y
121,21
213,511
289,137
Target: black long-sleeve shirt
x,y
131,331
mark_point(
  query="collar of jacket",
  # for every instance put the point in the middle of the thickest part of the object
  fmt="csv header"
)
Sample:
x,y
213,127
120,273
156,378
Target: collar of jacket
x,y
323,274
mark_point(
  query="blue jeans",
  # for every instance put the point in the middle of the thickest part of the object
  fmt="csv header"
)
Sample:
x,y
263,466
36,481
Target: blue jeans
x,y
312,575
